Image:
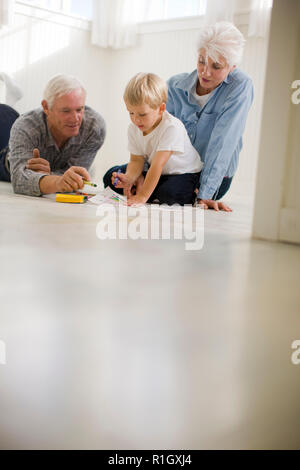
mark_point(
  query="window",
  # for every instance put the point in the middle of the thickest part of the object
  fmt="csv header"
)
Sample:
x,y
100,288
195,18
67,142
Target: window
x,y
73,7
82,8
145,10
154,10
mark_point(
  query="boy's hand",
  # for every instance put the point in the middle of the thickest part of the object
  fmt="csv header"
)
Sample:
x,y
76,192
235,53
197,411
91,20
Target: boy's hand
x,y
38,164
123,182
136,200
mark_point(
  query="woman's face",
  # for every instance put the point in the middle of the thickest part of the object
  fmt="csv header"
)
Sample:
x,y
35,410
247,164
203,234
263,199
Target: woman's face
x,y
211,73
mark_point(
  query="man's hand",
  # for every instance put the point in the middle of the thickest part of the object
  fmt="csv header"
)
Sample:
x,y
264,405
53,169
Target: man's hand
x,y
72,180
215,205
38,164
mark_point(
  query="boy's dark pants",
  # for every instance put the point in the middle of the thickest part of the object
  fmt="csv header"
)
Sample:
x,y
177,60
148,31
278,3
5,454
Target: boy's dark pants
x,y
171,189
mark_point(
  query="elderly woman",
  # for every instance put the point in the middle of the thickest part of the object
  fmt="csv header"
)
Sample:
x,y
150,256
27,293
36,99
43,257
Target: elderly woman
x,y
213,103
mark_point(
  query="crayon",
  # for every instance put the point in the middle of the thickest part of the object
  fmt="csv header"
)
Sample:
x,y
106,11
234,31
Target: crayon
x,y
117,179
89,183
75,198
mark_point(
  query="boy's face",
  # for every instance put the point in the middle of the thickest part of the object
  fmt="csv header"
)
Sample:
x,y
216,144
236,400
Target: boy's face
x,y
144,117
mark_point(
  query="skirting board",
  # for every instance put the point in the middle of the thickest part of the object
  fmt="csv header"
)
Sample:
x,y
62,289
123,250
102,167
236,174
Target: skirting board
x,y
289,229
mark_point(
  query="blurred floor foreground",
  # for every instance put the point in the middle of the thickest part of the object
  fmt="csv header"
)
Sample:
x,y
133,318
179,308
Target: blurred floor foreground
x,y
142,344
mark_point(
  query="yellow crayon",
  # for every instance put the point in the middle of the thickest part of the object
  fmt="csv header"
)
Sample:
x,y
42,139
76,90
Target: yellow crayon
x,y
75,198
89,183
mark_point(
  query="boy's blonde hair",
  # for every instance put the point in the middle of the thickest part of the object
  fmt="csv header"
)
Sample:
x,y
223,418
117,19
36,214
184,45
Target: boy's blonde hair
x,y
146,88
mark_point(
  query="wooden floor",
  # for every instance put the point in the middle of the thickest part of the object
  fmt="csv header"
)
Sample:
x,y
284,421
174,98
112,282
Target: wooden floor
x,y
142,344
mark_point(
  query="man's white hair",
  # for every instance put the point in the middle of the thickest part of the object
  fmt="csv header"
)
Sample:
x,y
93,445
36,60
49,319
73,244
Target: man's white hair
x,y
61,85
222,39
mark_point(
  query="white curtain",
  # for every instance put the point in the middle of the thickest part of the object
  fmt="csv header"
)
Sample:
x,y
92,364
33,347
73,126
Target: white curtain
x,y
6,12
260,13
114,23
217,10
10,92
260,18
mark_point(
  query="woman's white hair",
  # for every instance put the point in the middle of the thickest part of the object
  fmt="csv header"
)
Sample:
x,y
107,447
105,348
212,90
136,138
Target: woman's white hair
x,y
222,39
60,85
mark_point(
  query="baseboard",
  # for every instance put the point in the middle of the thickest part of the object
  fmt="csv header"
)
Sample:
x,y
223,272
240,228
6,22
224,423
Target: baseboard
x,y
289,229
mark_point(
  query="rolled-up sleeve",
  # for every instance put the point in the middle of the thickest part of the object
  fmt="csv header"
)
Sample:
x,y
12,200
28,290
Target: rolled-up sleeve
x,y
225,138
24,181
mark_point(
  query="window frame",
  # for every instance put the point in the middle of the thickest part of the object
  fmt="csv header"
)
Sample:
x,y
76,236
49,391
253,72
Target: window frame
x,y
24,8
57,11
201,9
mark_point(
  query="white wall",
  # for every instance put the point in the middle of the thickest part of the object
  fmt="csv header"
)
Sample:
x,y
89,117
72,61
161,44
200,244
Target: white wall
x,y
35,49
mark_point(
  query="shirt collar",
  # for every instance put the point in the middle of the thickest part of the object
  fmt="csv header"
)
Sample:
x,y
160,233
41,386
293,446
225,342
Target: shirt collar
x,y
50,140
186,84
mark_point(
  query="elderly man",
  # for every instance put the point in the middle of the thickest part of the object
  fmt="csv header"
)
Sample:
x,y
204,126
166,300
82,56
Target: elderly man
x,y
52,149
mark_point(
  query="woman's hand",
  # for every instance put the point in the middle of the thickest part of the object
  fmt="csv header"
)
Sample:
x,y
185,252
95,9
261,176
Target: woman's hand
x,y
215,205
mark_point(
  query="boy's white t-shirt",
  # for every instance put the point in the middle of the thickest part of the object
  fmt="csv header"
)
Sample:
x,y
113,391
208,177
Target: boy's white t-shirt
x,y
169,135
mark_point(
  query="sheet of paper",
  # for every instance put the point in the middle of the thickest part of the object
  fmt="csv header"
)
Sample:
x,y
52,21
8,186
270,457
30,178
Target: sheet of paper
x,y
108,196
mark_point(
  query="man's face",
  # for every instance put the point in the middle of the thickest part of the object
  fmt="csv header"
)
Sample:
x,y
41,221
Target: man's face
x,y
65,116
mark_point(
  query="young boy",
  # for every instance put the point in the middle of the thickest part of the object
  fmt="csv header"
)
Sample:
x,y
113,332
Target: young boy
x,y
159,139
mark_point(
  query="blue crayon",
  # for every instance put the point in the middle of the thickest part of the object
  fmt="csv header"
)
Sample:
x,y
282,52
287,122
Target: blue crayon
x,y
117,179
